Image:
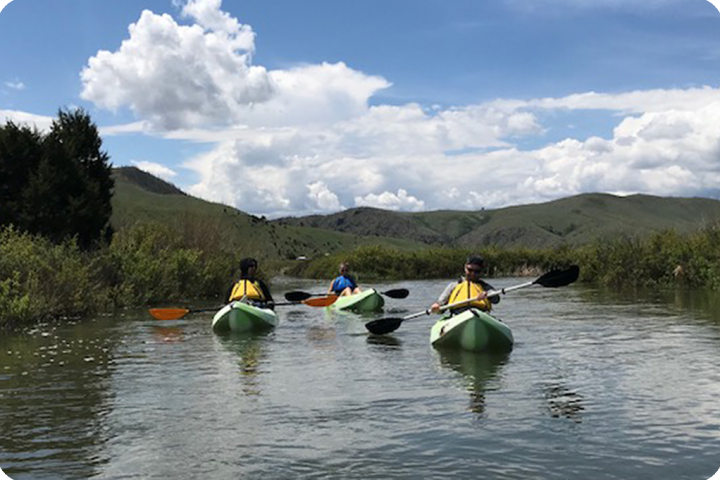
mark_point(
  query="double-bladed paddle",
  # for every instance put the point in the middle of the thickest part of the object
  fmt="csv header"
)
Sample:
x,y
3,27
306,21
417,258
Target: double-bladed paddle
x,y
299,296
177,313
551,279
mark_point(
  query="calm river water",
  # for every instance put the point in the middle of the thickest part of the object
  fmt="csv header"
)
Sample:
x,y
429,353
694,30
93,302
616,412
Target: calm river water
x,y
599,385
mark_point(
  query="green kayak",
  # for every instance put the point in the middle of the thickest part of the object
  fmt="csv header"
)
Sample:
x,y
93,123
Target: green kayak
x,y
366,301
472,330
243,317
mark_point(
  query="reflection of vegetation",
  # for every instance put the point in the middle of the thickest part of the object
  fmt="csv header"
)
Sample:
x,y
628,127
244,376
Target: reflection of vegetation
x,y
479,370
55,391
563,402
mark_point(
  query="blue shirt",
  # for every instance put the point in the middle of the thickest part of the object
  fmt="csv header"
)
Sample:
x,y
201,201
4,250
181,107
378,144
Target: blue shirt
x,y
342,282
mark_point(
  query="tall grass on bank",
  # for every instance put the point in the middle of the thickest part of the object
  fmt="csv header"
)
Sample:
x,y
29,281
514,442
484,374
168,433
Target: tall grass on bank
x,y
379,263
158,264
145,264
662,259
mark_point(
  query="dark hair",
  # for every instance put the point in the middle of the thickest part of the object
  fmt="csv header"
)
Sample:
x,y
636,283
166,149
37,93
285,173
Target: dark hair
x,y
245,265
475,260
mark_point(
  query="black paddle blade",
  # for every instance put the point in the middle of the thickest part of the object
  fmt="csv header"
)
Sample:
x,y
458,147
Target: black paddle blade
x,y
559,278
397,293
297,296
383,325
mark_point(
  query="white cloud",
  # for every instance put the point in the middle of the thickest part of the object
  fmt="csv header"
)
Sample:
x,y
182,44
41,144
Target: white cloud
x,y
323,197
177,76
306,139
42,123
16,85
3,4
390,201
715,3
156,169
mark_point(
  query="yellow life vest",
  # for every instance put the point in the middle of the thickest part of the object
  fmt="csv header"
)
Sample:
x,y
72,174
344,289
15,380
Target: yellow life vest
x,y
248,289
466,290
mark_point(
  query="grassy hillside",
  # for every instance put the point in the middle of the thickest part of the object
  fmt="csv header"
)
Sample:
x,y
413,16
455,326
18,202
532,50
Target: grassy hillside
x,y
140,197
575,220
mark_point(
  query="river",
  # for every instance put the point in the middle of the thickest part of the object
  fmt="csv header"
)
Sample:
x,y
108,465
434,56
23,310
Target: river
x,y
600,384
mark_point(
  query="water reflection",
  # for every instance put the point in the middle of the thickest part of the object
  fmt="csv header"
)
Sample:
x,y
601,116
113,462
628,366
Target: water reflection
x,y
252,357
385,340
563,402
164,334
480,370
50,374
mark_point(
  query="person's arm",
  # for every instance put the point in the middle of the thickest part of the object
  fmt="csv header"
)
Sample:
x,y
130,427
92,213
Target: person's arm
x,y
443,298
331,288
487,287
265,291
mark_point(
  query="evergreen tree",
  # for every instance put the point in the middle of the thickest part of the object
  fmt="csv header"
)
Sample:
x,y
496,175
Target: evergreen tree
x,y
20,154
60,185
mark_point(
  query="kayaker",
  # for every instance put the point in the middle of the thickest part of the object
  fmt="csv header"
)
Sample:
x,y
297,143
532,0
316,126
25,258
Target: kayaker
x,y
469,286
249,287
344,284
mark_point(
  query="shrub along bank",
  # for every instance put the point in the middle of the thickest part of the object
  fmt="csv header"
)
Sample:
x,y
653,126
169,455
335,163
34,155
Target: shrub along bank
x,y
152,264
144,265
663,259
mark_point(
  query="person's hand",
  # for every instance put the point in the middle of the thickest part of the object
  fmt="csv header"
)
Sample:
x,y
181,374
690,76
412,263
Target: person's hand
x,y
435,307
481,296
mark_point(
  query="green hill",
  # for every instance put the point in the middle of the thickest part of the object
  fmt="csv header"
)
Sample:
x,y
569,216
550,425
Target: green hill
x,y
574,220
140,198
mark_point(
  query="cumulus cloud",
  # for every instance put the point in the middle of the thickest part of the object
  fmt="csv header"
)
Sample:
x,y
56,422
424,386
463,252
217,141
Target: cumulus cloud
x,y
156,169
323,197
391,201
306,139
178,76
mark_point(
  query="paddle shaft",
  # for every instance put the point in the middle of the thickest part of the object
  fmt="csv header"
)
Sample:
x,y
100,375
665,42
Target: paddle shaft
x,y
491,293
552,279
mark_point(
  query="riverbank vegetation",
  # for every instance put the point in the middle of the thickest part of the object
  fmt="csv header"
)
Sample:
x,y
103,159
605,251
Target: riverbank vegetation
x,y
153,264
143,265
661,259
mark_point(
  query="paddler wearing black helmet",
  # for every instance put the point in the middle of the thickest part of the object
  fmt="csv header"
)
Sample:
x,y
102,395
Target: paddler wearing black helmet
x,y
248,287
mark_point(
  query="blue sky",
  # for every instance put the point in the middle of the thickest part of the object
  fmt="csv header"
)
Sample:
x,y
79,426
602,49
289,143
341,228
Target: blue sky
x,y
289,108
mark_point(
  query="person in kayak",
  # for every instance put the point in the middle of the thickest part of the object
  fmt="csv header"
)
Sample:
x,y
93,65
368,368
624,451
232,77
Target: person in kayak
x,y
344,284
249,287
471,286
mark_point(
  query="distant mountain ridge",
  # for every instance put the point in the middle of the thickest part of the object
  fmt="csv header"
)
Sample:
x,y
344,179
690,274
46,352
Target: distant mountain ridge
x,y
574,220
577,220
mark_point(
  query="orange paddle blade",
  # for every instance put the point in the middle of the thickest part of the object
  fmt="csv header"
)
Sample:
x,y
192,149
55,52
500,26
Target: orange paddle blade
x,y
168,313
321,301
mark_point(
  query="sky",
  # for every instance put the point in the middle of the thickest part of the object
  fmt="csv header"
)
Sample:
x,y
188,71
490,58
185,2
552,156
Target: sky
x,y
281,107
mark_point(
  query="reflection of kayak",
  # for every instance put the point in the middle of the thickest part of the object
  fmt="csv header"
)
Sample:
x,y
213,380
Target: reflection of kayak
x,y
242,317
480,371
478,367
472,330
366,301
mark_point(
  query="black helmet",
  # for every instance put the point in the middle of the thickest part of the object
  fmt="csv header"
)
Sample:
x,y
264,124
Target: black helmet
x,y
475,260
